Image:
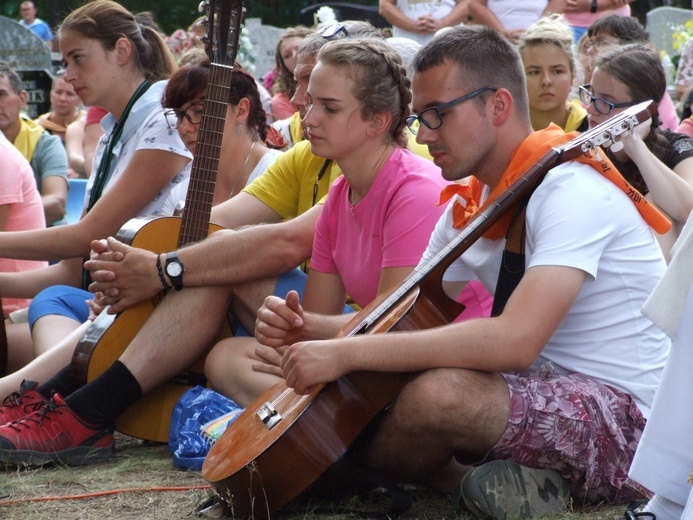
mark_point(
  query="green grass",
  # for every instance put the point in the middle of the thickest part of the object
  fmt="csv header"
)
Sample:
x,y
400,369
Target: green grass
x,y
143,466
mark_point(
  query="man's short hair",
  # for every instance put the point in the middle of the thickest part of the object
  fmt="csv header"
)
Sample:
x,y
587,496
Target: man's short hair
x,y
13,78
484,58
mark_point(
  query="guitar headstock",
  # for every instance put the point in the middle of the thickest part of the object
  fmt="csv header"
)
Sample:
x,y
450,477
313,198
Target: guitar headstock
x,y
223,23
605,134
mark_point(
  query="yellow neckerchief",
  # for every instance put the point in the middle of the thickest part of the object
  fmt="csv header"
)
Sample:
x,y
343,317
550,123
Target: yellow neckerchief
x,y
576,115
295,128
27,137
527,155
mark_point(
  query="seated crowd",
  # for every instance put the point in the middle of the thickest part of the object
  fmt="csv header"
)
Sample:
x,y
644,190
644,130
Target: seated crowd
x,y
351,173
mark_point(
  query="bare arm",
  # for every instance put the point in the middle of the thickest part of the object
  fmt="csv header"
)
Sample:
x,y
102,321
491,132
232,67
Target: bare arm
x,y
226,257
388,10
145,176
554,6
511,341
583,6
53,196
458,15
74,138
671,190
483,15
27,284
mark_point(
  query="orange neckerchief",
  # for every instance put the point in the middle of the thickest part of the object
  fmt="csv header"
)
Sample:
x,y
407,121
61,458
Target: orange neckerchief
x,y
527,155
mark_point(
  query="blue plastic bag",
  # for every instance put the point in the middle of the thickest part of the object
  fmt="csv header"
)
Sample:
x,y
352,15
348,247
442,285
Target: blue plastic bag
x,y
195,408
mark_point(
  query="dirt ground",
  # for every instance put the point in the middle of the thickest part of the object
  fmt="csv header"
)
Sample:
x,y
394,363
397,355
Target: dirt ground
x,y
140,482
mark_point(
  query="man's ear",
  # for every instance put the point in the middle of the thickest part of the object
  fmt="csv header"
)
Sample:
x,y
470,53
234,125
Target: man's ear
x,y
23,96
502,103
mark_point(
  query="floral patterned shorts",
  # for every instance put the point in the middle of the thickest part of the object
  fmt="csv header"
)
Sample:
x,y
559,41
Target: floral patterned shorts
x,y
583,429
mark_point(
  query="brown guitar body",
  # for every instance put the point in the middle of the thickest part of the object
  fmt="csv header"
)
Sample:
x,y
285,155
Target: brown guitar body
x,y
109,336
253,480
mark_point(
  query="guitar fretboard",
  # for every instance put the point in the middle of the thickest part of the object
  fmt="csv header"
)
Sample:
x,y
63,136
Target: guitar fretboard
x,y
198,202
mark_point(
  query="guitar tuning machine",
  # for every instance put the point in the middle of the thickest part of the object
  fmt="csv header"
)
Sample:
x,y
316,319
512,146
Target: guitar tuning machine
x,y
268,415
203,6
608,137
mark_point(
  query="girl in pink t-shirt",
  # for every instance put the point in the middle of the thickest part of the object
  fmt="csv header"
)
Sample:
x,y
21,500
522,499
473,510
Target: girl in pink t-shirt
x,y
378,216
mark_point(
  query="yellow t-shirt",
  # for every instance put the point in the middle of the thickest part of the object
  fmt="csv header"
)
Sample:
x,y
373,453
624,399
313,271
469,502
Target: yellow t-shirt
x,y
287,186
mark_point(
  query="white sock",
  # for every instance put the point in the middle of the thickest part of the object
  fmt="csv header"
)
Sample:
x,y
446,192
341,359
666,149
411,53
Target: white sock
x,y
663,508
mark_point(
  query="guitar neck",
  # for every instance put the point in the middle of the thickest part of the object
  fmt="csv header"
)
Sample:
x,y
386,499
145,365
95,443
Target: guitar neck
x,y
198,202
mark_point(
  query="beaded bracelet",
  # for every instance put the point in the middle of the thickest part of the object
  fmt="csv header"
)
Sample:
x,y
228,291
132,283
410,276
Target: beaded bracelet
x,y
161,273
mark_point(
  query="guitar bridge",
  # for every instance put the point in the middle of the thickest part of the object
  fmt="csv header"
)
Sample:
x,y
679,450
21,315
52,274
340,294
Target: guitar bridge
x,y
268,415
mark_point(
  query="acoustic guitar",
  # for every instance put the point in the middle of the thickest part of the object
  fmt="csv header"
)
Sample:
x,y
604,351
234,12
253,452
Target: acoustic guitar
x,y
108,337
283,443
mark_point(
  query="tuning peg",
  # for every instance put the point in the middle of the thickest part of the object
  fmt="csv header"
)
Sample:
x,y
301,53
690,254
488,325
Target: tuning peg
x,y
203,6
617,146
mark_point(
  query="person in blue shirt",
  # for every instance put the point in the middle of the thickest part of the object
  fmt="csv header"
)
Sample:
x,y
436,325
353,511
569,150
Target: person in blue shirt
x,y
27,10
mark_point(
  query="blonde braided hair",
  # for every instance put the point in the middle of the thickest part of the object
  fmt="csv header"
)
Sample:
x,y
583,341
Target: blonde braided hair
x,y
380,79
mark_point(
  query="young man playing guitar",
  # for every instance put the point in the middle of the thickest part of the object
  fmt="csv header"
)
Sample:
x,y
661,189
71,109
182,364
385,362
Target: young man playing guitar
x,y
547,399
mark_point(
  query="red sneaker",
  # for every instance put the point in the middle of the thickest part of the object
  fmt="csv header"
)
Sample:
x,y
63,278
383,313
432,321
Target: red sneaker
x,y
22,403
54,434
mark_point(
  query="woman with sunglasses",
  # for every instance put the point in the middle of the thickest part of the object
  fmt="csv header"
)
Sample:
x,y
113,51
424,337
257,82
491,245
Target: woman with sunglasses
x,y
659,163
243,158
376,221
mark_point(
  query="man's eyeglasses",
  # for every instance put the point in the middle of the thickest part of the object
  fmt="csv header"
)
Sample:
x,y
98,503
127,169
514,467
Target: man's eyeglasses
x,y
432,118
332,30
602,106
192,115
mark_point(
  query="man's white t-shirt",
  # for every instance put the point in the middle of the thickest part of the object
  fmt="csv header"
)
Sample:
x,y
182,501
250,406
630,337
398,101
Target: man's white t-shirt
x,y
577,218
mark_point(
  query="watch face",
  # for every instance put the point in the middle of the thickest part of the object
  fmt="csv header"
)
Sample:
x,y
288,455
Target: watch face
x,y
174,269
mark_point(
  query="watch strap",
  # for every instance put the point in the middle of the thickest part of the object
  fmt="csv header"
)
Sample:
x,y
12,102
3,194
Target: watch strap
x,y
176,281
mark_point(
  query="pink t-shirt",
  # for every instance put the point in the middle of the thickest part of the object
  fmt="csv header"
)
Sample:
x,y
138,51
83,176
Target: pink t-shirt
x,y
18,190
585,19
667,113
390,227
282,107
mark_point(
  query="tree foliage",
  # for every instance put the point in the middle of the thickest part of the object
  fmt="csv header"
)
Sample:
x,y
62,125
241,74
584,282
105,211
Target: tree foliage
x,y
172,14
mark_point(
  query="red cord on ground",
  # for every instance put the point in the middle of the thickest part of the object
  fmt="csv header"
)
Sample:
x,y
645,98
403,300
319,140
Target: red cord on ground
x,y
103,494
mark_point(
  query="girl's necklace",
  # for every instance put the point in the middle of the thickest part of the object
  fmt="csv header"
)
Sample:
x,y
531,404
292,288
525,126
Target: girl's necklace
x,y
240,173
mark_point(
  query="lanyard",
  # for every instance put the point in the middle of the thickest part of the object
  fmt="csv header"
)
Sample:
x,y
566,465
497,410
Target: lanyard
x,y
102,174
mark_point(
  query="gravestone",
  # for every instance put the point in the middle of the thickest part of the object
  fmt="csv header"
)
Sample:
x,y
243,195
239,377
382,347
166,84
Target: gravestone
x,y
30,58
264,39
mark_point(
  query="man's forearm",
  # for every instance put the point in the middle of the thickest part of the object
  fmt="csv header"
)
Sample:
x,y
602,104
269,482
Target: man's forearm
x,y
458,15
231,257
